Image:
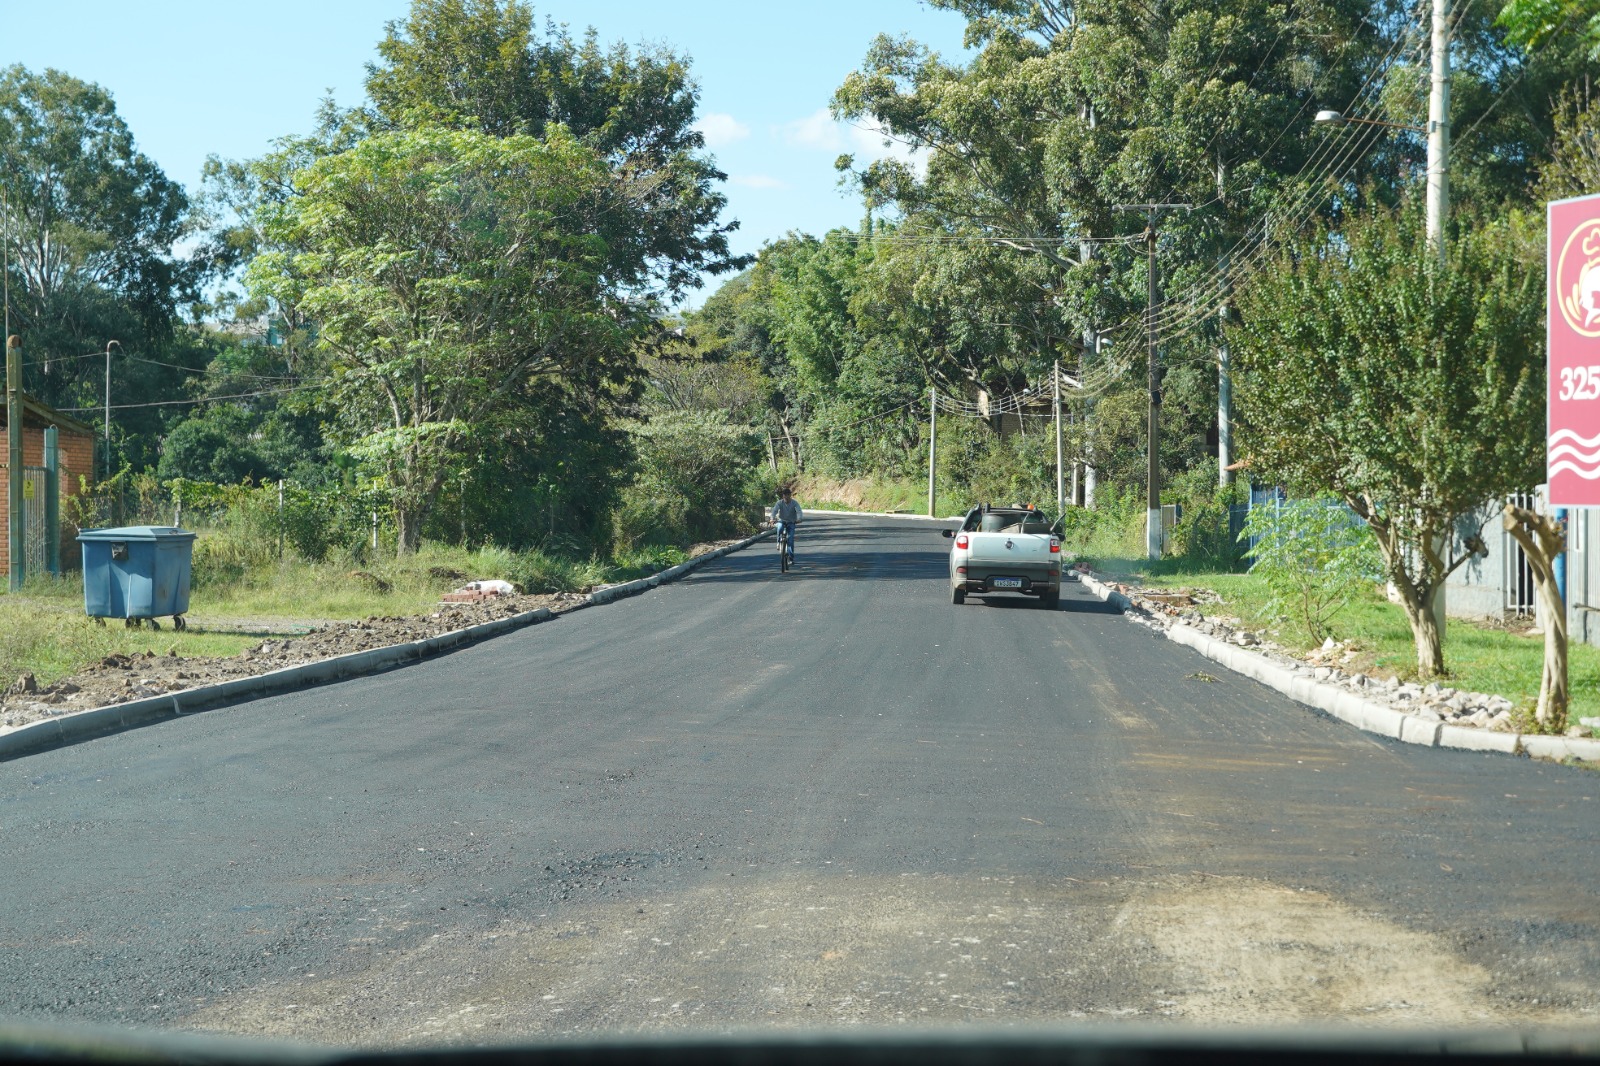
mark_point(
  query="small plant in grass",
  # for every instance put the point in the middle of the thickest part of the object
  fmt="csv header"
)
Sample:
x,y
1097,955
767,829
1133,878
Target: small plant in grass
x,y
1314,556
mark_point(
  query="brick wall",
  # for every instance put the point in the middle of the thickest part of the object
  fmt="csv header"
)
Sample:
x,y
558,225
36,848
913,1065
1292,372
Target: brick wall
x,y
77,459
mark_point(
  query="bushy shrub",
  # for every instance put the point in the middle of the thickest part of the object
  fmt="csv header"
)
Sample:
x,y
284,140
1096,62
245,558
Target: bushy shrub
x,y
1314,554
1205,537
693,481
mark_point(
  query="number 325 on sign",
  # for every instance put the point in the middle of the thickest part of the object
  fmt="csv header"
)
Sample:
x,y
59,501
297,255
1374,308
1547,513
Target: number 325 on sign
x,y
1580,383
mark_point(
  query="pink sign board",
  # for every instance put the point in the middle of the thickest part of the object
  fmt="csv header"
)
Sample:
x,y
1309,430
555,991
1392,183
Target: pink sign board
x,y
1572,463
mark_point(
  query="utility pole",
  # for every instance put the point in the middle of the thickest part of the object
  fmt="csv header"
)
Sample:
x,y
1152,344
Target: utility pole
x,y
1153,532
1091,346
1439,184
1439,129
1224,405
933,439
52,501
1061,496
108,404
14,417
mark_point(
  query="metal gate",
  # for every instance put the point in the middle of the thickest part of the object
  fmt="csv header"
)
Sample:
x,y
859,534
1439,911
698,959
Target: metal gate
x,y
37,530
1517,580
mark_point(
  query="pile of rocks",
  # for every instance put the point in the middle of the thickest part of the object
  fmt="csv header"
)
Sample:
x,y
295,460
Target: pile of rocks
x,y
1432,702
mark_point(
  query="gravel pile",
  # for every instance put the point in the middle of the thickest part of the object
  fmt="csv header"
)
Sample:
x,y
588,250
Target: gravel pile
x,y
1433,702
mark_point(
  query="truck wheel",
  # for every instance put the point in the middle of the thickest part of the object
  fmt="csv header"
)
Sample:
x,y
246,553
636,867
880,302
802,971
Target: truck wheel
x,y
958,595
1050,600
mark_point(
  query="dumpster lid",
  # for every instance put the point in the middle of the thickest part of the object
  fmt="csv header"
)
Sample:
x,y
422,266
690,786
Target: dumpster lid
x,y
136,533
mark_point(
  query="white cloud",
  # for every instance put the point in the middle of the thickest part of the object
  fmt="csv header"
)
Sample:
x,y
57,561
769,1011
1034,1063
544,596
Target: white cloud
x,y
817,130
720,130
757,181
864,139
869,140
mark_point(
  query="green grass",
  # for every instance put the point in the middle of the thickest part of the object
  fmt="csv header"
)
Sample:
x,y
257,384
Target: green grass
x,y
1478,658
44,630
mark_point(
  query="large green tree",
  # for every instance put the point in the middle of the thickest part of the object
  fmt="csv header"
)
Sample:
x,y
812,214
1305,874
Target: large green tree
x,y
1411,389
89,223
458,282
480,65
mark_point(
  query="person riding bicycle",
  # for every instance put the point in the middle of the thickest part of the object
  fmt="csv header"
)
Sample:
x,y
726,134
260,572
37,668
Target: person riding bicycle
x,y
786,515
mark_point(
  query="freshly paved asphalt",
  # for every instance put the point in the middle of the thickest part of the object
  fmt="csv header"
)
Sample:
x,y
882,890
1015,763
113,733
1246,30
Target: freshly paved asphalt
x,y
752,799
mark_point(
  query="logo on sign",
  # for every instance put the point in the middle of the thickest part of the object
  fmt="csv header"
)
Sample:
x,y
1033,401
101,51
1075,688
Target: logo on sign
x,y
1577,280
1573,453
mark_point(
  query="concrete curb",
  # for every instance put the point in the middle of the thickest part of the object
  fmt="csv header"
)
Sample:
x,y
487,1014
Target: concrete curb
x,y
1347,706
118,717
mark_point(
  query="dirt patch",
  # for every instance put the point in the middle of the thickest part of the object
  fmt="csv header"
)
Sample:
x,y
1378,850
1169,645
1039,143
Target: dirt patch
x,y
1244,952
121,678
887,950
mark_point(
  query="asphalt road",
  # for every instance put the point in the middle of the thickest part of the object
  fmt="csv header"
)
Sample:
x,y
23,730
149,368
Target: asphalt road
x,y
820,799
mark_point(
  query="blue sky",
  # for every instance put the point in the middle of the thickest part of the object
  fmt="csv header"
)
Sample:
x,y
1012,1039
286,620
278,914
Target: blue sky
x,y
193,78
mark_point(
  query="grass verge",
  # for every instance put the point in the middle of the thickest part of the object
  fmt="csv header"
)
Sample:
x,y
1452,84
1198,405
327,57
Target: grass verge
x,y
43,629
1501,660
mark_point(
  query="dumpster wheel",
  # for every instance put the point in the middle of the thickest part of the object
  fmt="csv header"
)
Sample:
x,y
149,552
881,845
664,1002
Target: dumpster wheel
x,y
179,623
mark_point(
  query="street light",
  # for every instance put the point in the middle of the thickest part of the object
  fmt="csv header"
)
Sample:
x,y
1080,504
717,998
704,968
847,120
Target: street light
x,y
108,404
1338,118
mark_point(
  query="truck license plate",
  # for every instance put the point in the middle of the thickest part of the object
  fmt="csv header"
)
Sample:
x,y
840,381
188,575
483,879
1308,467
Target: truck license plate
x,y
1006,583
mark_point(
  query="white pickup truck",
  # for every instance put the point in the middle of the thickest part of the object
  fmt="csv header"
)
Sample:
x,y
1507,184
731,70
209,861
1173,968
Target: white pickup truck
x,y
1005,549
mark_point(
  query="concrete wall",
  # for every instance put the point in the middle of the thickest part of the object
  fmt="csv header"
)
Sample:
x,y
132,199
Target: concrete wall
x,y
1477,589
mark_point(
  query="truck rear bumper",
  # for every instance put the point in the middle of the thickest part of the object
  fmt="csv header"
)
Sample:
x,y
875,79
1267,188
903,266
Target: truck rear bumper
x,y
998,582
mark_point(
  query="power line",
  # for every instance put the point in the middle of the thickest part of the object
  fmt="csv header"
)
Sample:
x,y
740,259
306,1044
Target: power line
x,y
1202,293
1218,278
895,238
847,425
204,399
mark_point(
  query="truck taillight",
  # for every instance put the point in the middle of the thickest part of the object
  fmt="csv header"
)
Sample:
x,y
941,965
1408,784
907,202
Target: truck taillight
x,y
961,569
1055,545
961,541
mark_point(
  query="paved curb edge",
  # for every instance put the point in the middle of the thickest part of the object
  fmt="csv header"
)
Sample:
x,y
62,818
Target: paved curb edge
x,y
118,717
1364,714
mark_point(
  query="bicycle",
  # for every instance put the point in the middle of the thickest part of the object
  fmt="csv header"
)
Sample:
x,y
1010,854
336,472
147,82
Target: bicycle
x,y
785,539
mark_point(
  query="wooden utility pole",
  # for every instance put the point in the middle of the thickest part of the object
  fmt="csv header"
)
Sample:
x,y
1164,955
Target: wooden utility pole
x,y
1153,531
14,417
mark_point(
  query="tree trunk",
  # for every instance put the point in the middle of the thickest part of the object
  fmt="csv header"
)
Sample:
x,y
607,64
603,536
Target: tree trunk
x,y
1425,634
1542,540
1418,605
408,530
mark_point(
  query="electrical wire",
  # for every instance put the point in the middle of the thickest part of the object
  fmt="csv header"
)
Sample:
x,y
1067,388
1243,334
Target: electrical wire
x,y
1299,207
893,238
847,425
1187,310
122,357
203,399
1527,61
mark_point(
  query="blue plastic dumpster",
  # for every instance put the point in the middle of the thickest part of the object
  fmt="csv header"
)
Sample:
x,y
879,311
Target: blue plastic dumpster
x,y
137,573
